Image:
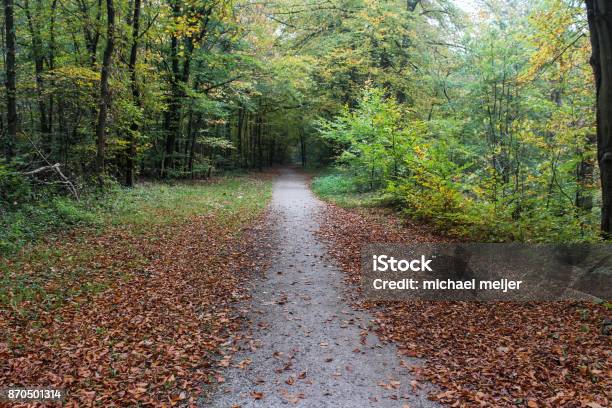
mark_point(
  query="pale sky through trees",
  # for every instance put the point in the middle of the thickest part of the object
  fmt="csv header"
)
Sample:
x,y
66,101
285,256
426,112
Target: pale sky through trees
x,y
468,5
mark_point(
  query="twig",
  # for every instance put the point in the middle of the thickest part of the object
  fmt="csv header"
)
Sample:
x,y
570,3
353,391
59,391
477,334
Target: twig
x,y
65,180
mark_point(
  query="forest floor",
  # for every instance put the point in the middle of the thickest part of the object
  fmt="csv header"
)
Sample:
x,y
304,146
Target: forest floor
x,y
195,295
133,311
493,354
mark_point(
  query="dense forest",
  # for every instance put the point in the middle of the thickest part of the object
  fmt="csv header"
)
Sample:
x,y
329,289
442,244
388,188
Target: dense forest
x,y
188,189
481,118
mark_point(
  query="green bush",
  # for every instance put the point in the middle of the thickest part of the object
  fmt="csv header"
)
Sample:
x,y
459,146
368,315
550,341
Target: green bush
x,y
474,190
29,221
333,184
14,188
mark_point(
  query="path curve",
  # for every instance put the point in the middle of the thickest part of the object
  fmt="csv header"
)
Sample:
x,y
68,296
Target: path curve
x,y
306,346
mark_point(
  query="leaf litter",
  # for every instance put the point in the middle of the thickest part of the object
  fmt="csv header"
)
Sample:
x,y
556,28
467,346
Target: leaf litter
x,y
151,336
538,354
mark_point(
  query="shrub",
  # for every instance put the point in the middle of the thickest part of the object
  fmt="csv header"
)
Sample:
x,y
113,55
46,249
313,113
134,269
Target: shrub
x,y
14,188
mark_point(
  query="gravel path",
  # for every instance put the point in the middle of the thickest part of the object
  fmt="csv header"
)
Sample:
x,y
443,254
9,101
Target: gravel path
x,y
306,346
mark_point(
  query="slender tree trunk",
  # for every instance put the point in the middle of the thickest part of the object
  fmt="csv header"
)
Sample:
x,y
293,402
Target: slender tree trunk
x,y
173,116
104,89
37,53
252,139
584,179
11,88
192,149
134,127
51,64
189,141
239,127
599,13
248,130
302,148
259,143
271,152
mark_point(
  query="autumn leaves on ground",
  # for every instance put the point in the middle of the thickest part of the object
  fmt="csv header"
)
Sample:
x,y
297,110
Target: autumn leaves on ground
x,y
498,354
133,312
132,315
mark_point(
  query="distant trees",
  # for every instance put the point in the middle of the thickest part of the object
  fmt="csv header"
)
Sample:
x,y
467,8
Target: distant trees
x,y
176,89
113,88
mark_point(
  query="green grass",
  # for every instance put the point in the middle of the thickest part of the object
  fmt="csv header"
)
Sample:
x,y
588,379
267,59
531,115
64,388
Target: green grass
x,y
49,272
28,222
340,188
159,204
140,207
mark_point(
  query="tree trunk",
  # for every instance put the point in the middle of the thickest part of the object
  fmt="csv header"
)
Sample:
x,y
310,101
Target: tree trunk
x,y
104,89
599,13
134,127
302,148
37,54
239,127
51,63
259,143
11,88
585,171
192,147
173,116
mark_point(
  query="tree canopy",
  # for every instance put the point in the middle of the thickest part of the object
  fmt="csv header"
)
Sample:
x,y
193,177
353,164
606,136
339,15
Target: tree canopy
x,y
488,114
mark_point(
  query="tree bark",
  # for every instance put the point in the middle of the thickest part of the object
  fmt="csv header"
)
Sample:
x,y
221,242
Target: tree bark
x,y
173,116
51,64
585,171
302,148
11,88
259,142
599,13
134,127
239,127
104,89
38,56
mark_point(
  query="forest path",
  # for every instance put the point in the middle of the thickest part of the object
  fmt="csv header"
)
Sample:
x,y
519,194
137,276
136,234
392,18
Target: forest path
x,y
305,345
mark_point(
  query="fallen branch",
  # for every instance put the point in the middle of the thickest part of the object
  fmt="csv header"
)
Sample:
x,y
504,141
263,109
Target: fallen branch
x,y
41,169
56,168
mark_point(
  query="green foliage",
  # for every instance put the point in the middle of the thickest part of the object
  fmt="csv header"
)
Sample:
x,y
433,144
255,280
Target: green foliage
x,y
482,123
30,221
427,171
374,144
14,188
140,207
341,187
334,184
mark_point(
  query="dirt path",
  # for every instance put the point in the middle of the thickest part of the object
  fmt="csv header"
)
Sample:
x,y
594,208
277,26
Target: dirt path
x,y
306,345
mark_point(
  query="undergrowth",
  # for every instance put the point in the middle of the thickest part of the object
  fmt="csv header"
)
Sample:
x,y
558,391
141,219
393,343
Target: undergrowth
x,y
451,212
45,245
340,187
44,215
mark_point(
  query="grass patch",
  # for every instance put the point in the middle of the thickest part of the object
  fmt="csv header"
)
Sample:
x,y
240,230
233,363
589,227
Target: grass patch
x,y
156,274
141,207
228,199
107,234
340,187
